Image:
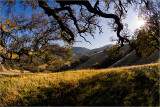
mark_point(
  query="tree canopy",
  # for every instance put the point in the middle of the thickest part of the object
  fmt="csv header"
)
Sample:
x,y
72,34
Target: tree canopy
x,y
54,20
147,38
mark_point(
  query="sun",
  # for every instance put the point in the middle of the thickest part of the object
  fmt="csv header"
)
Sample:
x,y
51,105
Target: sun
x,y
140,23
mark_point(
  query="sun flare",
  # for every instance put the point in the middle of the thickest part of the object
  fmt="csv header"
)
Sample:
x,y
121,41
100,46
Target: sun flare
x,y
140,23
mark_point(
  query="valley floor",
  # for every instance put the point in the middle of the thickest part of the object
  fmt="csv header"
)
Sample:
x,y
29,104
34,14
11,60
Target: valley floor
x,y
18,72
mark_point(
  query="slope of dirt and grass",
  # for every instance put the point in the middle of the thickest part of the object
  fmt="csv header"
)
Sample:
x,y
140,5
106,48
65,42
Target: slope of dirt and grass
x,y
98,57
126,86
133,59
5,71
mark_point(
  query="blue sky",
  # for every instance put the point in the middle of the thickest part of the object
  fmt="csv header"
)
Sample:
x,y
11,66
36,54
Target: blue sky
x,y
104,38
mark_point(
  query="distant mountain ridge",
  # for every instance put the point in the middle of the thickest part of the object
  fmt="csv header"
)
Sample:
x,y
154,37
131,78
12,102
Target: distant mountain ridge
x,y
79,51
129,59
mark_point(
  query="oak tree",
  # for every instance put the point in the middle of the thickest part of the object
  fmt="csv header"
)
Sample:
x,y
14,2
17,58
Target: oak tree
x,y
56,20
147,39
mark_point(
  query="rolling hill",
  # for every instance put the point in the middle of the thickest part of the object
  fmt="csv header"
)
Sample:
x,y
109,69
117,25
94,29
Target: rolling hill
x,y
79,51
98,57
133,59
130,58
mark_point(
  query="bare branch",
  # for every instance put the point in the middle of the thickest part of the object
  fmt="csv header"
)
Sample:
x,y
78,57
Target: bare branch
x,y
100,13
52,12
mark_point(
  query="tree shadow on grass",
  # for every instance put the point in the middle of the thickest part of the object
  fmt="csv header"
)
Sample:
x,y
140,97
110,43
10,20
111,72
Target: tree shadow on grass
x,y
107,89
120,89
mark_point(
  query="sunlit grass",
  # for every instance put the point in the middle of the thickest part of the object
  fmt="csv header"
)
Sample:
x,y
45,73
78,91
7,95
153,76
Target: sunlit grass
x,y
136,85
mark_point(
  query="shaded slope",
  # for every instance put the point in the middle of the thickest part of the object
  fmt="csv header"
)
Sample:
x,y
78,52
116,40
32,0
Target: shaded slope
x,y
151,59
97,57
133,59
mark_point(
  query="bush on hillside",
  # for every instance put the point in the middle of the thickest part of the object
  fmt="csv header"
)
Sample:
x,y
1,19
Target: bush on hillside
x,y
65,67
96,65
113,54
21,70
14,66
54,64
36,70
84,58
80,60
7,65
74,63
1,68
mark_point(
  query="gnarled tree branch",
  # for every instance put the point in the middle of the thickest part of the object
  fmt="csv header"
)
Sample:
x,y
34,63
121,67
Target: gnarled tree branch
x,y
91,9
14,55
52,12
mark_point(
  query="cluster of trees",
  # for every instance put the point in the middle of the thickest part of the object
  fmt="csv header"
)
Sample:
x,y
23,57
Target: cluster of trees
x,y
80,60
34,33
146,40
45,63
113,54
53,58
74,62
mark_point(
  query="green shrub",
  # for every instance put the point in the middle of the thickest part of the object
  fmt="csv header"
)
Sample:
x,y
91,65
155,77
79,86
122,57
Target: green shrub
x,y
50,68
84,58
1,68
36,70
75,63
78,61
96,65
113,54
14,66
46,71
65,67
7,66
21,70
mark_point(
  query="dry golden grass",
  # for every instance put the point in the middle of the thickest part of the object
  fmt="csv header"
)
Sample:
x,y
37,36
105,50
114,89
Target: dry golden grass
x,y
81,87
12,72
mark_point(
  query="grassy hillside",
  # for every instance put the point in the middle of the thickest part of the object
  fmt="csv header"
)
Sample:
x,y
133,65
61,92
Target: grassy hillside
x,y
134,85
98,57
133,59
